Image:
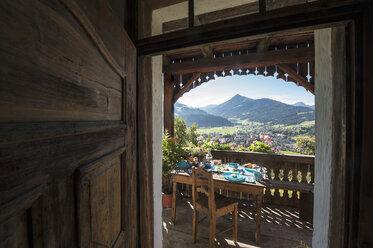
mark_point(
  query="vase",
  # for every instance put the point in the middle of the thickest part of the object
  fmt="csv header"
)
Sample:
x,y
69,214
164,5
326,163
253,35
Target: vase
x,y
167,200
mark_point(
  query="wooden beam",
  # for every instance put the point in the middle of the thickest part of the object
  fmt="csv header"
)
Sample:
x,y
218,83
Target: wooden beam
x,y
243,61
168,107
313,14
186,86
262,7
206,51
191,13
263,45
297,77
210,17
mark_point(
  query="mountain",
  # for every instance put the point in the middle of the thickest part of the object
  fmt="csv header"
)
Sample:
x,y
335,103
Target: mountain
x,y
200,117
208,107
263,110
302,104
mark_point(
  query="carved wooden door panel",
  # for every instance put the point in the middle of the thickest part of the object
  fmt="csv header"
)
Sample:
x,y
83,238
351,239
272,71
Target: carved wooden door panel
x,y
67,126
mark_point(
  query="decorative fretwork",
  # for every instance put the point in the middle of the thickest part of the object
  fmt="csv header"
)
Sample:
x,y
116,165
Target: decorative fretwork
x,y
266,71
301,73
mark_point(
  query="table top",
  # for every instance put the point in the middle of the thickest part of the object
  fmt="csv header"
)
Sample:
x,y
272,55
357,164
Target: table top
x,y
218,179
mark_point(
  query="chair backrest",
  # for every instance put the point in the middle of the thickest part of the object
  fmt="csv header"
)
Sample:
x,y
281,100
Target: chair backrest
x,y
203,183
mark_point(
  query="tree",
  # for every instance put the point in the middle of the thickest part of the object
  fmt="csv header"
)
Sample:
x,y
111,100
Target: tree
x,y
305,145
192,134
181,131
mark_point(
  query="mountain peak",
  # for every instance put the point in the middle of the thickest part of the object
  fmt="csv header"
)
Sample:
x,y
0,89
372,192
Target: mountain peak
x,y
299,104
302,104
238,96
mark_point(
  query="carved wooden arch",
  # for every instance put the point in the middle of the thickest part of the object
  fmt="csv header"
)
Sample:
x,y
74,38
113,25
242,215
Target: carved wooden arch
x,y
289,73
289,57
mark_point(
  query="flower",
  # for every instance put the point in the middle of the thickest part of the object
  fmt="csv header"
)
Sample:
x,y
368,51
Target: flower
x,y
276,149
233,144
232,147
254,142
200,138
223,141
261,137
266,137
216,139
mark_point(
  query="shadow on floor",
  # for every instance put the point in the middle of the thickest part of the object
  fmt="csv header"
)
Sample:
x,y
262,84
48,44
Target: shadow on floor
x,y
281,227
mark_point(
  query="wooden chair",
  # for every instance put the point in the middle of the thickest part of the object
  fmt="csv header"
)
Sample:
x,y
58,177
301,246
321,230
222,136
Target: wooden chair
x,y
203,183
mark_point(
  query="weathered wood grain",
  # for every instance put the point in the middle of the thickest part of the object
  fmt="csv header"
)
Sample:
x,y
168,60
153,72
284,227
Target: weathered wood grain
x,y
30,163
99,200
54,71
243,61
130,156
338,164
145,151
93,19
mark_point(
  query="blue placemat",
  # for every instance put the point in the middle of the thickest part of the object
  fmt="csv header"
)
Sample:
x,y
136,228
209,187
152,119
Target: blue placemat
x,y
256,174
233,165
183,164
238,178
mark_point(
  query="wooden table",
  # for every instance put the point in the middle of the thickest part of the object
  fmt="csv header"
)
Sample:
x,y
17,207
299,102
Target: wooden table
x,y
220,182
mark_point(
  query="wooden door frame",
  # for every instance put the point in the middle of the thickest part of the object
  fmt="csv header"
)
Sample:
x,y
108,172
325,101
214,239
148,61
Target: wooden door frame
x,y
347,12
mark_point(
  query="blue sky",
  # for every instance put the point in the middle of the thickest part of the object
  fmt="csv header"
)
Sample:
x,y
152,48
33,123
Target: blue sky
x,y
255,87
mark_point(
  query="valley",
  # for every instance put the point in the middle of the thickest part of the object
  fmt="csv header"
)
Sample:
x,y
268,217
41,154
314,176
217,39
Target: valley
x,y
242,120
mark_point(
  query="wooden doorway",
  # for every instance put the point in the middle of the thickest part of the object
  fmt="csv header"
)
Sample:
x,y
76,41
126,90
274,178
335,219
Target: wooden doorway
x,y
340,85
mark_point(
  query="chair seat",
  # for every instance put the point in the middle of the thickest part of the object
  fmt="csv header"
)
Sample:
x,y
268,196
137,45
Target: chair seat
x,y
224,205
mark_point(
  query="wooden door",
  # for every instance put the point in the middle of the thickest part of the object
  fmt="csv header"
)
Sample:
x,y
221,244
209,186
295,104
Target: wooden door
x,y
67,126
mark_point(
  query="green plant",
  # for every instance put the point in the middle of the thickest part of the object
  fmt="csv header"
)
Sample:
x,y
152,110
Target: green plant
x,y
181,131
217,146
192,134
305,145
260,147
172,153
302,244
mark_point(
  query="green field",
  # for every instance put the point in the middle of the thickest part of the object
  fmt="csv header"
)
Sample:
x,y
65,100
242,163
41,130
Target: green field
x,y
222,130
303,124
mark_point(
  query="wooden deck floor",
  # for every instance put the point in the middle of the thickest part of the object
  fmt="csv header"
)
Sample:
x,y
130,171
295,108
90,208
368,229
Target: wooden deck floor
x,y
281,227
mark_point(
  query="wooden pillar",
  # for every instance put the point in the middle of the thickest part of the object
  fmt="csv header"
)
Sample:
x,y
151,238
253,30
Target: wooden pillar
x,y
145,152
364,187
168,108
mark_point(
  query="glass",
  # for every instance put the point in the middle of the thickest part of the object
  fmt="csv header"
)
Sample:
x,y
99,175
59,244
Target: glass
x,y
276,4
161,16
208,11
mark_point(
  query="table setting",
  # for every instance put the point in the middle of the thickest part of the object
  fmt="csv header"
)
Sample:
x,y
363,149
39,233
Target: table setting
x,y
232,172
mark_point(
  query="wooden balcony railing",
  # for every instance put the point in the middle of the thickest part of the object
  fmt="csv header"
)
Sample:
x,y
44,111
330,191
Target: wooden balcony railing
x,y
290,177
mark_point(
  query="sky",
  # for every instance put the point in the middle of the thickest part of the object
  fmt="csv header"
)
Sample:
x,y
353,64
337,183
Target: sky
x,y
255,87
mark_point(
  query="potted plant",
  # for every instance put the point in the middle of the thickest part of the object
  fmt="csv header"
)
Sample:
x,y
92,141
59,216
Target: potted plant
x,y
302,245
172,154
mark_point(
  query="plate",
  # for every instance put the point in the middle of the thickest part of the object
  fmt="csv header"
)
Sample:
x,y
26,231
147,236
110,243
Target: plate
x,y
238,178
